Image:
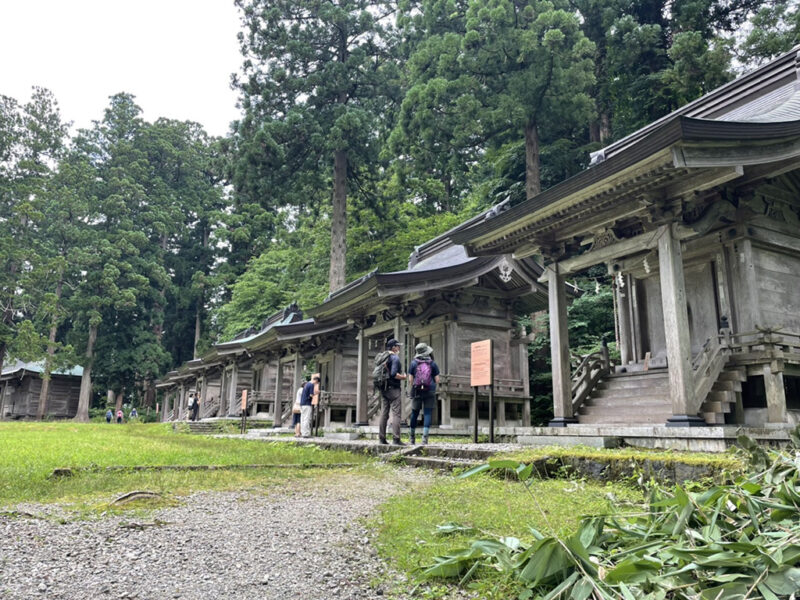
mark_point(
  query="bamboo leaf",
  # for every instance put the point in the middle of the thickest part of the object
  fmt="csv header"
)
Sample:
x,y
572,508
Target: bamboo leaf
x,y
474,471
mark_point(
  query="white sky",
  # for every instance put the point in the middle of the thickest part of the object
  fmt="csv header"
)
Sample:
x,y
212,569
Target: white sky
x,y
175,56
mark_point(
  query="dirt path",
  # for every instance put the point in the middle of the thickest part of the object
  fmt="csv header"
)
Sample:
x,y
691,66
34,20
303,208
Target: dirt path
x,y
304,541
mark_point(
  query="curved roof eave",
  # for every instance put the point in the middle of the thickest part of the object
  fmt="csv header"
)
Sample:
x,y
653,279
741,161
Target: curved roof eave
x,y
678,129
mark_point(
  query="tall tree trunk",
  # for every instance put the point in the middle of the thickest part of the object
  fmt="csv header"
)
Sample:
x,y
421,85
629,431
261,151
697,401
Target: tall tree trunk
x,y
149,395
85,396
198,319
120,397
533,184
44,394
339,222
3,347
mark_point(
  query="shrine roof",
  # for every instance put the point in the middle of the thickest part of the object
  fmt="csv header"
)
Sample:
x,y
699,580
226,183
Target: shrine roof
x,y
762,105
19,367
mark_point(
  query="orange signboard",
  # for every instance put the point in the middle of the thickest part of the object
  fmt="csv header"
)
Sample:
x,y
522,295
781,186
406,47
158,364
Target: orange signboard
x,y
244,399
481,364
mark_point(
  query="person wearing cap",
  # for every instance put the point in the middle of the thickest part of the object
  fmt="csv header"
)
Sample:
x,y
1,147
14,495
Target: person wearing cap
x,y
391,395
307,407
425,373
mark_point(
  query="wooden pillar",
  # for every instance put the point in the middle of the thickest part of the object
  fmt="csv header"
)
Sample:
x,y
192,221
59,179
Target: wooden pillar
x,y
277,408
362,383
676,333
559,348
636,321
625,341
776,395
297,377
233,401
748,310
165,405
524,372
500,406
181,402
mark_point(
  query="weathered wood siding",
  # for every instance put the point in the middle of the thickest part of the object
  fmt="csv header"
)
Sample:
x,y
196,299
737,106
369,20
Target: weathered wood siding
x,y
22,399
778,281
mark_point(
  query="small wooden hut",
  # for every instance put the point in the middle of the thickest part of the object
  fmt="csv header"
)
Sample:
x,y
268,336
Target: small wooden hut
x,y
21,385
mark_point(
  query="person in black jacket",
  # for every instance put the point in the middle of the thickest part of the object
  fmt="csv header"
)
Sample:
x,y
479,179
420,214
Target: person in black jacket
x,y
306,407
391,395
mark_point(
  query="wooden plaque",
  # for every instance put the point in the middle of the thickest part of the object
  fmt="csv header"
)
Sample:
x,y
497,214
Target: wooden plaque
x,y
244,399
481,364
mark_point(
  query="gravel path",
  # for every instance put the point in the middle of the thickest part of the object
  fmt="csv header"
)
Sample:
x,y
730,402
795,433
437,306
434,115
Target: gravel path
x,y
304,541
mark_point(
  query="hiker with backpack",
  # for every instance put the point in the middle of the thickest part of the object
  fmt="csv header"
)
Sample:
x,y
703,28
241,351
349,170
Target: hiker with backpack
x,y
307,406
425,372
387,376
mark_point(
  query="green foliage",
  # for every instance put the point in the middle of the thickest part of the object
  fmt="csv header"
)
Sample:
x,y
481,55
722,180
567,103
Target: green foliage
x,y
775,29
727,541
440,518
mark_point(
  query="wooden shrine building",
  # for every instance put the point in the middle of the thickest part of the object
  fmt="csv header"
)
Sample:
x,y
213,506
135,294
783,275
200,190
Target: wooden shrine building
x,y
21,384
447,300
444,298
697,218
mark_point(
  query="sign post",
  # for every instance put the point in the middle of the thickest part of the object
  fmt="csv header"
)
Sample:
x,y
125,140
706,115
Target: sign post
x,y
481,373
244,411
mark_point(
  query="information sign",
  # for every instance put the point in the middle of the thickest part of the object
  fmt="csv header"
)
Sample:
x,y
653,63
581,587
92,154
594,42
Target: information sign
x,y
481,364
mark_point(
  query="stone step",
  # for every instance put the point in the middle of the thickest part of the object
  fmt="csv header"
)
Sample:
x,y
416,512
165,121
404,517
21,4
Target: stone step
x,y
633,383
658,418
631,413
651,374
455,453
655,392
733,375
714,406
627,401
721,396
438,463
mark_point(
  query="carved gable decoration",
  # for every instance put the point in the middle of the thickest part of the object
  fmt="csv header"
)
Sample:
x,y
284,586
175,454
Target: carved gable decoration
x,y
604,238
505,270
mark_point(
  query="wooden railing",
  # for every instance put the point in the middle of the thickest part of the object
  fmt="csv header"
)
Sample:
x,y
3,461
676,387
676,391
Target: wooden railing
x,y
766,343
337,399
708,365
514,388
588,371
209,407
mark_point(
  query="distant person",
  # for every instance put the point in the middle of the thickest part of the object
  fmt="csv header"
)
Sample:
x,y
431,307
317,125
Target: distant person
x,y
195,411
134,413
425,372
109,416
391,395
190,406
307,407
119,416
296,410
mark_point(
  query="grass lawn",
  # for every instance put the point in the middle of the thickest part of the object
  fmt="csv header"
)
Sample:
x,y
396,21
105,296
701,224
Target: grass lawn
x,y
406,526
30,451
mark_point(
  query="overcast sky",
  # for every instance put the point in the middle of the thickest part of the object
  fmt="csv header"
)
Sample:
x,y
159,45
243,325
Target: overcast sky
x,y
175,56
